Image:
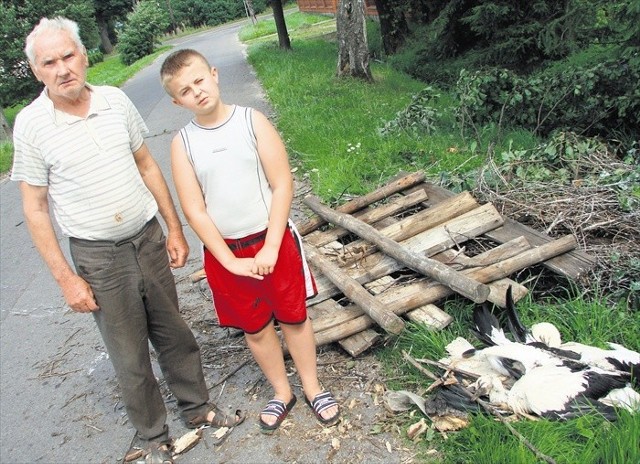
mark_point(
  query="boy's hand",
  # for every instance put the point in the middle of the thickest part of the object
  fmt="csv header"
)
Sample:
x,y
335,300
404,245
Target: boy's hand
x,y
243,267
265,261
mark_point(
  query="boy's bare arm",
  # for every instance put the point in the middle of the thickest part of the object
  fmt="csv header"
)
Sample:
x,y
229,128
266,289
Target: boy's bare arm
x,y
275,162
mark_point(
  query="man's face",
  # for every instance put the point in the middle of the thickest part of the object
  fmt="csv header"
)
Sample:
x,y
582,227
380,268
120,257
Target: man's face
x,y
60,65
195,87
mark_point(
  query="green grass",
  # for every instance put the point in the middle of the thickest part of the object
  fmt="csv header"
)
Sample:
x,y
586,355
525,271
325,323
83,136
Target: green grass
x,y
332,126
6,156
113,72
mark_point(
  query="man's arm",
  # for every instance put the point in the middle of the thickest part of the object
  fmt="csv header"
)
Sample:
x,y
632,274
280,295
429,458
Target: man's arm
x,y
154,180
76,291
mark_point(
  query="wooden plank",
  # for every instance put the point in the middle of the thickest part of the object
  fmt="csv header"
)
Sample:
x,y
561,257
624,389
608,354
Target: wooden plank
x,y
414,224
394,206
499,291
421,293
359,203
431,316
475,291
389,321
572,264
358,343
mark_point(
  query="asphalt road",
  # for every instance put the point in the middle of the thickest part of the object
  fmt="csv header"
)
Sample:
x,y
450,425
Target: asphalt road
x,y
56,382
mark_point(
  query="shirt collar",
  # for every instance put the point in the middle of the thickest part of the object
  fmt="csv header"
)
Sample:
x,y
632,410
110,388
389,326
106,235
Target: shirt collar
x,y
98,103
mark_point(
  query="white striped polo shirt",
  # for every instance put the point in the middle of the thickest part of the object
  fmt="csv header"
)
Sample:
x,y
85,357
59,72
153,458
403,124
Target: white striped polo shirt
x,y
87,163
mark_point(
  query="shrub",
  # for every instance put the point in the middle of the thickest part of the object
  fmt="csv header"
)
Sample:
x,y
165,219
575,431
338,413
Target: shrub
x,y
95,56
600,100
144,25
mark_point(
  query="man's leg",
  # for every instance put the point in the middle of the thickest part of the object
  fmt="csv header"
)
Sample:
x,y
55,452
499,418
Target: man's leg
x,y
176,347
114,275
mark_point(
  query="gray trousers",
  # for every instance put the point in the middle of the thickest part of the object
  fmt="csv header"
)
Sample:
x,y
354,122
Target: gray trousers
x,y
136,293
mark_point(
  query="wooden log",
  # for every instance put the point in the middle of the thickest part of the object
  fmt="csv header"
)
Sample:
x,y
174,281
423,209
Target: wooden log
x,y
417,223
430,314
395,206
475,291
429,242
358,343
498,295
411,296
390,322
361,202
573,264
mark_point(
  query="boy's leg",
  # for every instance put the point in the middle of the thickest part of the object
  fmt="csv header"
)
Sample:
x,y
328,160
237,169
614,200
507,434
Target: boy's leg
x,y
267,351
300,340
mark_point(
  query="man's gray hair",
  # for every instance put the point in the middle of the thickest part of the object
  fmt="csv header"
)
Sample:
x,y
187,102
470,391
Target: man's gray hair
x,y
56,24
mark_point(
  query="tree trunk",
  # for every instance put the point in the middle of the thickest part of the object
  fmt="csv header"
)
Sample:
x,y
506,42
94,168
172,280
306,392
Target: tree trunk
x,y
393,25
281,25
6,134
353,50
105,42
251,12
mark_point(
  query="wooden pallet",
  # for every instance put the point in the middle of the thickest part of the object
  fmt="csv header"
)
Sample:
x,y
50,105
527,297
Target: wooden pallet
x,y
393,253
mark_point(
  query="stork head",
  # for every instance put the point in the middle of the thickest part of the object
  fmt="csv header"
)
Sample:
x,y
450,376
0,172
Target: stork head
x,y
546,333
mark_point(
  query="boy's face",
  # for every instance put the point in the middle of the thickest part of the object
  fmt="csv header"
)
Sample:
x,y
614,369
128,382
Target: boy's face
x,y
195,87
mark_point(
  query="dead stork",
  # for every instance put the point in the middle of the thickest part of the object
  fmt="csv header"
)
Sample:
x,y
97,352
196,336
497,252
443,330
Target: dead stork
x,y
508,357
555,392
547,336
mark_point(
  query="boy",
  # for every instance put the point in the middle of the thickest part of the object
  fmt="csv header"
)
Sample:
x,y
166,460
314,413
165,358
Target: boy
x,y
234,183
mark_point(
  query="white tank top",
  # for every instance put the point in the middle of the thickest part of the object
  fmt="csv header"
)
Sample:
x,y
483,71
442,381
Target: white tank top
x,y
226,162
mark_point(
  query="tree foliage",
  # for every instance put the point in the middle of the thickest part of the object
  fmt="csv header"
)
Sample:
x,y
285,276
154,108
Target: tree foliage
x,y
197,13
108,14
145,24
18,19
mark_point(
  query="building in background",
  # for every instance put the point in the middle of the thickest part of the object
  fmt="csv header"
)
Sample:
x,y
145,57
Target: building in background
x,y
331,7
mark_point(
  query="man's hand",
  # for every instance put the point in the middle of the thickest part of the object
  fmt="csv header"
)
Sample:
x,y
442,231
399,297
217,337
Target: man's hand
x,y
178,250
78,294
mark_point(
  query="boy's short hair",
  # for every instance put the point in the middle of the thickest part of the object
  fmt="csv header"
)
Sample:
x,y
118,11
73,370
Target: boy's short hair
x,y
176,61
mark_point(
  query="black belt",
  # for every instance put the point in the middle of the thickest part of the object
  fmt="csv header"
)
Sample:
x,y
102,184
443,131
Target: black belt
x,y
240,244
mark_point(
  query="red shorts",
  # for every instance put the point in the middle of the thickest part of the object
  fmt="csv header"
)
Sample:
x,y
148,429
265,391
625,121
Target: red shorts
x,y
250,304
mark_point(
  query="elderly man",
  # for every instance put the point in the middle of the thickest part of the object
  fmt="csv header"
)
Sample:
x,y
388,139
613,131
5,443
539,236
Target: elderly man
x,y
82,147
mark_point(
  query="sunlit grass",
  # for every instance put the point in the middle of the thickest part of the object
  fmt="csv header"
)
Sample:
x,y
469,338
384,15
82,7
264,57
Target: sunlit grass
x,y
6,156
113,72
332,126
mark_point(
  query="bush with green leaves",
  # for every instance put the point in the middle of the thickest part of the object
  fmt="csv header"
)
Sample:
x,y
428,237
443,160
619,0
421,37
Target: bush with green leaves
x,y
418,118
601,100
144,26
196,13
95,55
